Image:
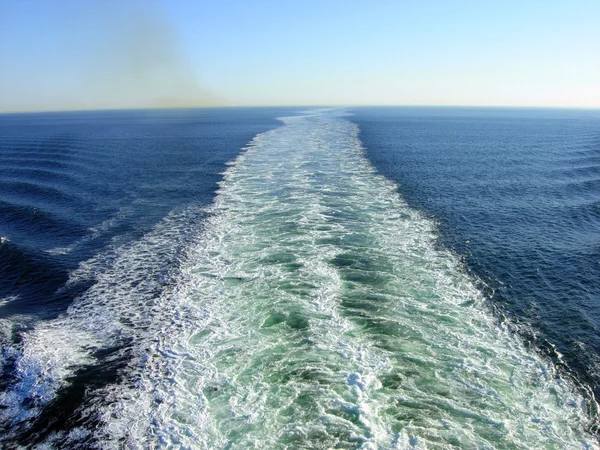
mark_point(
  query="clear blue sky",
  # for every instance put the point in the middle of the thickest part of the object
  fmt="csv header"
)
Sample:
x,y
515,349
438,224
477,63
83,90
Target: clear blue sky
x,y
58,54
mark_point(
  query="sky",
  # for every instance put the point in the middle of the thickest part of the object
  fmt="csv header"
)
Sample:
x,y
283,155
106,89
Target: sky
x,y
108,54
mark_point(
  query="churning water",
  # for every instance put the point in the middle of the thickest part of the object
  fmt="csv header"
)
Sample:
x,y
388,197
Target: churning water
x,y
308,306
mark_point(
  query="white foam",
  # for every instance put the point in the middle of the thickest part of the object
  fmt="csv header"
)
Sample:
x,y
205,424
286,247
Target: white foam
x,y
95,232
8,299
260,340
122,307
48,356
241,361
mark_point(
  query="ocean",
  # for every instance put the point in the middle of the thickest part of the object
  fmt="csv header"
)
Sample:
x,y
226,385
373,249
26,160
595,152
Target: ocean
x,y
397,277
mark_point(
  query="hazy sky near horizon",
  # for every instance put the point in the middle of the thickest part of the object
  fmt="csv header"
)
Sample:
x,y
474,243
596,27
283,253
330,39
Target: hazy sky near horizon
x,y
97,54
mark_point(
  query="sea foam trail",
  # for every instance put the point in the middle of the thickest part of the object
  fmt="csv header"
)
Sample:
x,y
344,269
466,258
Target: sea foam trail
x,y
105,337
321,314
311,310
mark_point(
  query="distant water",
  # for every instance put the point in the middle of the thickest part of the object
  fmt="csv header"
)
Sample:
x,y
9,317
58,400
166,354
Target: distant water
x,y
219,279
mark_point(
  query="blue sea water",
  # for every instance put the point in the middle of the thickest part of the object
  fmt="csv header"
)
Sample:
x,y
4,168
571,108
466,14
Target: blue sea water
x,y
278,278
78,187
73,183
517,192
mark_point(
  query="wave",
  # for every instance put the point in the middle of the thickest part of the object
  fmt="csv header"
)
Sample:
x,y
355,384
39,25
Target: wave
x,y
35,220
29,277
35,175
39,192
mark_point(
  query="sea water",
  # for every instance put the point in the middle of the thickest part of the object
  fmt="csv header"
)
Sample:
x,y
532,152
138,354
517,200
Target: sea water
x,y
308,305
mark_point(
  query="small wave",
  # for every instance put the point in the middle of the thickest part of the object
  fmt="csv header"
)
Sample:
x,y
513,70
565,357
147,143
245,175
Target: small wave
x,y
35,220
39,192
32,174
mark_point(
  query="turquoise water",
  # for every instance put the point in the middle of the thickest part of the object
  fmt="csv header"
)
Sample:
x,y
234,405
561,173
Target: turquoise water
x,y
315,311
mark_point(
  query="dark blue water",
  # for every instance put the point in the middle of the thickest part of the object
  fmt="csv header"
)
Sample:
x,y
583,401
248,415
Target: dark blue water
x,y
99,210
70,183
75,186
517,193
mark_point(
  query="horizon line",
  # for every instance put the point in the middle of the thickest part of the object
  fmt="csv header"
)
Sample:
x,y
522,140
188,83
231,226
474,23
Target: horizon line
x,y
278,105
